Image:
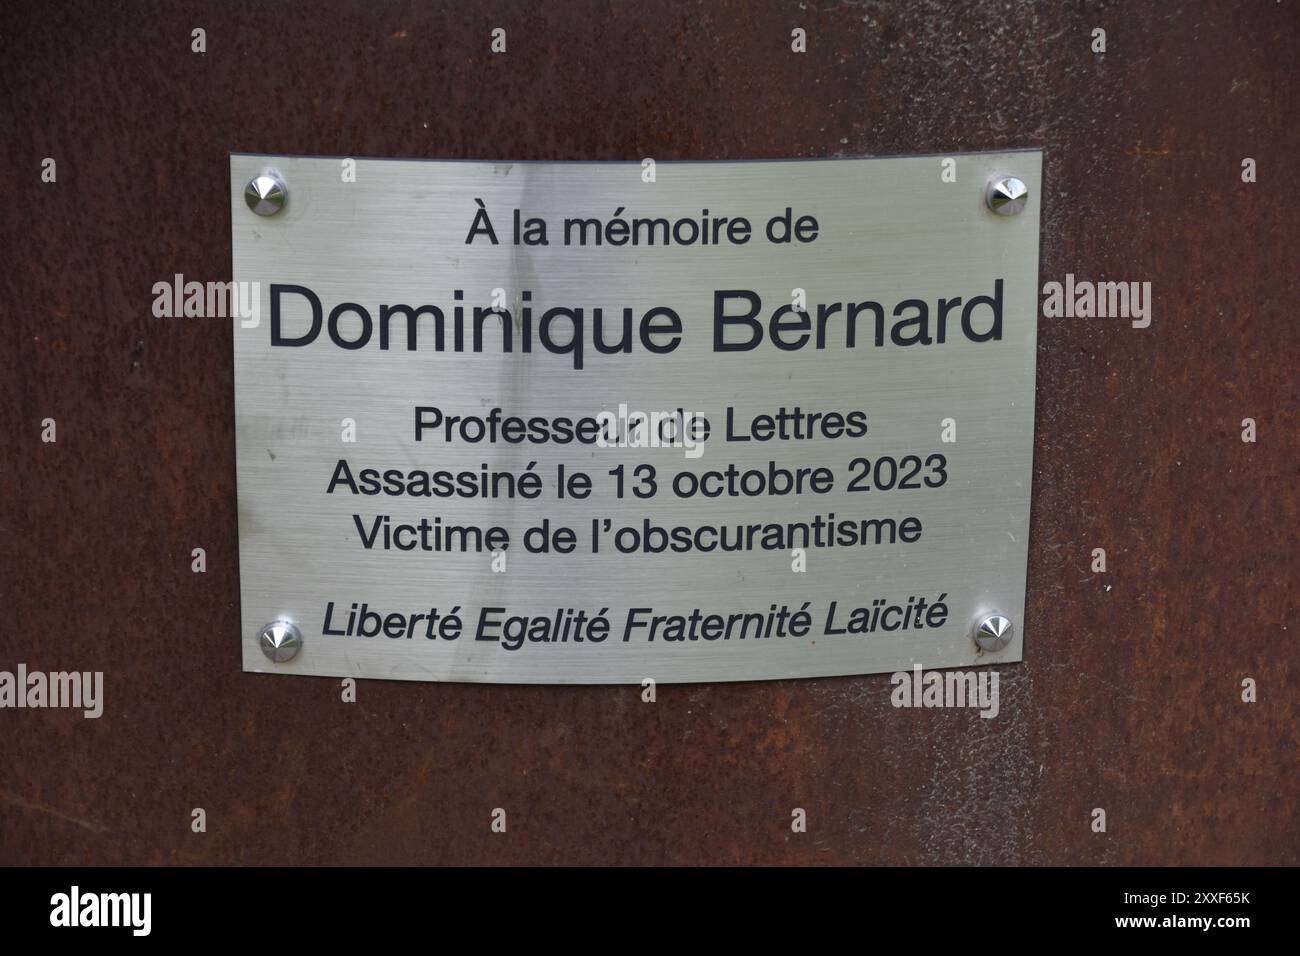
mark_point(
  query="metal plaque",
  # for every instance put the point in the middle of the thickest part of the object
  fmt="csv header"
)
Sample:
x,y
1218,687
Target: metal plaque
x,y
610,422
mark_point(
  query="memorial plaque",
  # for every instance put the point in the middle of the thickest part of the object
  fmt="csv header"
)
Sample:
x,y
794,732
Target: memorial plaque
x,y
603,422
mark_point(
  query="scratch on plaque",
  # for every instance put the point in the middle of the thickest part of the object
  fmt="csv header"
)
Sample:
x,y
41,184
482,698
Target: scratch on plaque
x,y
40,807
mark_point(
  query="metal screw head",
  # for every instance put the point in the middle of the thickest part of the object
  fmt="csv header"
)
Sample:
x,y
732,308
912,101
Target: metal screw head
x,y
280,641
1007,195
993,632
266,193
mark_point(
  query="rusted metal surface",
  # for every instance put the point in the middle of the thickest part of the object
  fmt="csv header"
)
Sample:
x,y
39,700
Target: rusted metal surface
x,y
1129,698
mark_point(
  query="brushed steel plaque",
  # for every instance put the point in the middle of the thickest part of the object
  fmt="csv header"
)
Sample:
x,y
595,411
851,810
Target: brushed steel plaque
x,y
598,423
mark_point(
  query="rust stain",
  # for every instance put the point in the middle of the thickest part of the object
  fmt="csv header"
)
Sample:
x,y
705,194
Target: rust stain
x,y
18,801
1129,698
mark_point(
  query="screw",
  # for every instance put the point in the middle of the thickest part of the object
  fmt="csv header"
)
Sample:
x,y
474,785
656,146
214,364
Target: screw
x,y
993,632
266,193
1007,195
280,641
